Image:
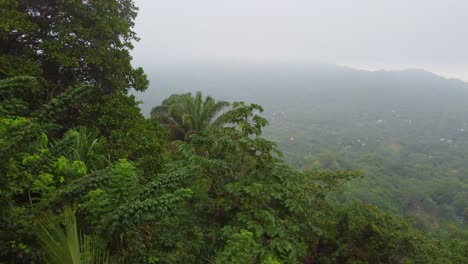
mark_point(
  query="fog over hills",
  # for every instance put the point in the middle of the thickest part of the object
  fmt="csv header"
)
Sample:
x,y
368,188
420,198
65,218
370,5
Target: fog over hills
x,y
318,92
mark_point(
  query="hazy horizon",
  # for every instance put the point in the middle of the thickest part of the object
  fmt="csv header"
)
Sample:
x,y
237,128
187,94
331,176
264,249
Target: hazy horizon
x,y
362,34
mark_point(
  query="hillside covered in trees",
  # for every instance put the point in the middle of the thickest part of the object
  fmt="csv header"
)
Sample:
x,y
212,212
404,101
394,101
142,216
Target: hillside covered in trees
x,y
407,131
86,178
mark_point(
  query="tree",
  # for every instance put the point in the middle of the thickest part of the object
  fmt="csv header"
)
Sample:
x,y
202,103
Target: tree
x,y
37,171
245,195
362,233
185,114
70,42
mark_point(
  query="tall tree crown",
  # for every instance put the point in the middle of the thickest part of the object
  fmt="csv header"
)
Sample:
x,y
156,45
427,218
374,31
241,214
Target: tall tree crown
x,y
70,42
185,114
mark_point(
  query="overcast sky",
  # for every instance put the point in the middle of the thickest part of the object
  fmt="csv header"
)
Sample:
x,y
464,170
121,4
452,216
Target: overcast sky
x,y
367,34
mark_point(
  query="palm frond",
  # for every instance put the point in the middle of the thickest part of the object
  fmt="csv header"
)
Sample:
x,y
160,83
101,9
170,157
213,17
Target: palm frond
x,y
188,113
217,108
67,246
83,144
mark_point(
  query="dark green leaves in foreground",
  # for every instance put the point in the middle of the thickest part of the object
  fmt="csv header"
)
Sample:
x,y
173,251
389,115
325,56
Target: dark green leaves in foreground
x,y
67,245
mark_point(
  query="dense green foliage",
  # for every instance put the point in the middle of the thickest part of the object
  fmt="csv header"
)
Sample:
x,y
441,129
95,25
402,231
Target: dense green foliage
x,y
184,114
426,182
85,178
70,42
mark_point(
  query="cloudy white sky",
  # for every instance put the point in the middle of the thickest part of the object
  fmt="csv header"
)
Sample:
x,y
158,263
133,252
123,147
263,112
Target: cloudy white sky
x,y
366,34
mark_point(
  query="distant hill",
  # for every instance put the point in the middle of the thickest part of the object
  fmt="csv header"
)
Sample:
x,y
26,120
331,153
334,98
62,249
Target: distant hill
x,y
322,93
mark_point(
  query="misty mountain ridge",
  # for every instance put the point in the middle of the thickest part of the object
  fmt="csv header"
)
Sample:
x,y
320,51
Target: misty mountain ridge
x,y
228,79
320,93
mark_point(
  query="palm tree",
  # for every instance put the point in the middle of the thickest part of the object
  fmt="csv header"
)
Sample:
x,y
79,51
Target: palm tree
x,y
185,114
83,144
69,246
